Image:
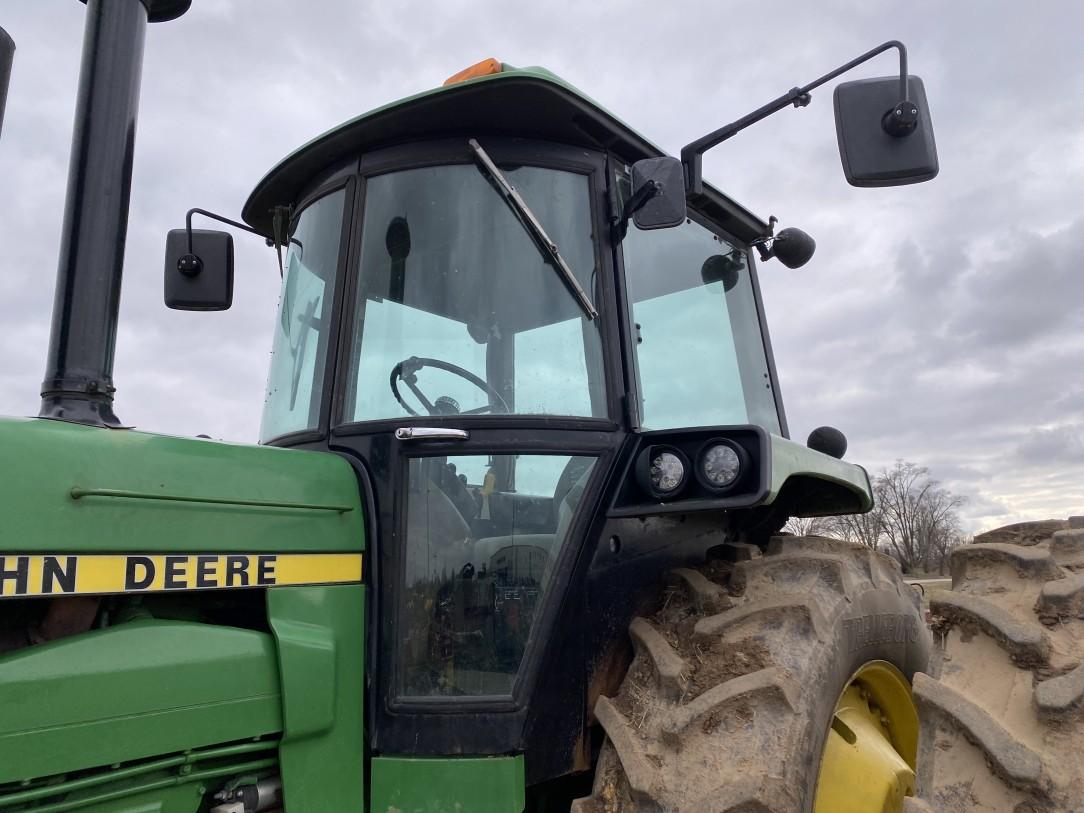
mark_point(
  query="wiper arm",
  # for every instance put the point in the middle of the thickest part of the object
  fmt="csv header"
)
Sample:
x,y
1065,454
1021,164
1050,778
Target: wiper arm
x,y
534,227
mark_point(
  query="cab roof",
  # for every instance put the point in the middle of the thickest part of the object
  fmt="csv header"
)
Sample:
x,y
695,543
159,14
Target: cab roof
x,y
517,102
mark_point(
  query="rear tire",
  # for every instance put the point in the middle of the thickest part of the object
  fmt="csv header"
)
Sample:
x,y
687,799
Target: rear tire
x,y
728,702
1001,722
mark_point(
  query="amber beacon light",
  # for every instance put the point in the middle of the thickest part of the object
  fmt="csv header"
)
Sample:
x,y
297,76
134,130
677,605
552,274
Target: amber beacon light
x,y
483,68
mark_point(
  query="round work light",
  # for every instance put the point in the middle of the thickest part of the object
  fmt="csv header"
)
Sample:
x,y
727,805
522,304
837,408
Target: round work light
x,y
662,471
720,464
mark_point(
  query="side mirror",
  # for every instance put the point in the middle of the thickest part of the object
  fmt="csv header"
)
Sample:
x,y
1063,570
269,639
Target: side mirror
x,y
658,188
200,279
883,142
7,54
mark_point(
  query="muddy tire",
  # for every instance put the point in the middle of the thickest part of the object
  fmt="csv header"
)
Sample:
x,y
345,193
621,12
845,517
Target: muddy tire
x,y
1002,728
730,696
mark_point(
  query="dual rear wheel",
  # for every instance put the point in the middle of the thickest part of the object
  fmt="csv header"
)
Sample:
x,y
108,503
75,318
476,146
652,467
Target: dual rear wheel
x,y
1002,726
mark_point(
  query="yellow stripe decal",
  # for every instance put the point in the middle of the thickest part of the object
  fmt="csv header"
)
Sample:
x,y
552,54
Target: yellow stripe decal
x,y
64,575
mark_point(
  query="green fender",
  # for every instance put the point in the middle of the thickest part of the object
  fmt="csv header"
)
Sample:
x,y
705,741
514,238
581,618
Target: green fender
x,y
811,483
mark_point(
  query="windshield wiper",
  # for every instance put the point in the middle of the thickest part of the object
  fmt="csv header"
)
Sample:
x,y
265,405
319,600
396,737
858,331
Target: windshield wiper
x,y
525,216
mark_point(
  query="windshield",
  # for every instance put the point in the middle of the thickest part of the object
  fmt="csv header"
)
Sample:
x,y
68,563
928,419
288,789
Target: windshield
x,y
457,310
699,353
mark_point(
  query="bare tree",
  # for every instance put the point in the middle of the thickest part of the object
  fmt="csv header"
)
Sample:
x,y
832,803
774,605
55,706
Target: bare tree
x,y
939,525
920,517
913,518
810,526
865,529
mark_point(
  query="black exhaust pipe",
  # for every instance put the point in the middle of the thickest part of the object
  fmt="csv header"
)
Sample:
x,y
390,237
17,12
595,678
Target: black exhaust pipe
x,y
7,53
78,382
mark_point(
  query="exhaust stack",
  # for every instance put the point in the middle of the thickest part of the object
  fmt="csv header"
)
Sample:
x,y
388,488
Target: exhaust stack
x,y
7,53
78,383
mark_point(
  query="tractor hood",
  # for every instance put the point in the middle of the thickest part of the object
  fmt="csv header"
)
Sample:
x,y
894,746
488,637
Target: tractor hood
x,y
73,488
524,102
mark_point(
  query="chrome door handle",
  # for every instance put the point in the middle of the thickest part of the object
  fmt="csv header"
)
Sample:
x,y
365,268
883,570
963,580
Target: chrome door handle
x,y
430,433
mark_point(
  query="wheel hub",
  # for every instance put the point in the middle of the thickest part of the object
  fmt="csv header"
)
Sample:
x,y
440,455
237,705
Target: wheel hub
x,y
868,762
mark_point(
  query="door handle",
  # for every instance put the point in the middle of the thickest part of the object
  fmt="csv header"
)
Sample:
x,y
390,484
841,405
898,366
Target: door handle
x,y
430,433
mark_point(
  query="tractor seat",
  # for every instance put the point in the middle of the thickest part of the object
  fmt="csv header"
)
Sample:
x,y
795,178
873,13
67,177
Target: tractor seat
x,y
487,548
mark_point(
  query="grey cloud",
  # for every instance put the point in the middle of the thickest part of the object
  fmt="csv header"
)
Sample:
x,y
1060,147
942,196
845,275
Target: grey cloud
x,y
1053,445
937,323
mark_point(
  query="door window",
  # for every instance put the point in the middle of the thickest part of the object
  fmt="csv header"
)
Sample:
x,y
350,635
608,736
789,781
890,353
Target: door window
x,y
482,536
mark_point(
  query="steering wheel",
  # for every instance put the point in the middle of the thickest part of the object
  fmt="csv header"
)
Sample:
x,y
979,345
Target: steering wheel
x,y
408,369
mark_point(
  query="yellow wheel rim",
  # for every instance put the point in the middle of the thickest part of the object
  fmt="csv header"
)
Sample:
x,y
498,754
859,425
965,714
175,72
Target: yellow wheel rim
x,y
868,762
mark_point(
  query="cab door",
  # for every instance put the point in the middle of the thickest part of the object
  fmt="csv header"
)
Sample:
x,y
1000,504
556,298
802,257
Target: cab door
x,y
482,404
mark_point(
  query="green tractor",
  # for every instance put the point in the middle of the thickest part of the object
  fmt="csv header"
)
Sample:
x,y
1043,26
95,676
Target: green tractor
x,y
510,540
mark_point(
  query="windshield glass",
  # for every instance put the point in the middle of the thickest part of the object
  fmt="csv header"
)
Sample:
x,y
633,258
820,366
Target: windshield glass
x,y
700,354
457,309
294,382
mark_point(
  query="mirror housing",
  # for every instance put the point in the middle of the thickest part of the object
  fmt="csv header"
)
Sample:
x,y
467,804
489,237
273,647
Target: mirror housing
x,y
663,207
200,280
7,54
873,152
793,247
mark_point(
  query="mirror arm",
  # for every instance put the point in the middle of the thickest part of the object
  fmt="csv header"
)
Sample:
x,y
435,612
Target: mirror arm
x,y
190,264
692,154
761,243
280,227
634,204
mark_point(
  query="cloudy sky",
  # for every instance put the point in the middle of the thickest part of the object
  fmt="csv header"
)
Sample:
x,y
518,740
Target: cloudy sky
x,y
941,323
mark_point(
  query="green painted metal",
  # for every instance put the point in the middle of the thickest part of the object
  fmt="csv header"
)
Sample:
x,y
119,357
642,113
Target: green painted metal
x,y
117,494
177,785
147,798
114,776
257,218
136,690
507,73
184,793
792,459
320,633
452,785
204,495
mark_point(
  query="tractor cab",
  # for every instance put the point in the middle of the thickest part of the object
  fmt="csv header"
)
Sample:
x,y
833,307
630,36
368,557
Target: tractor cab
x,y
540,343
496,375
500,304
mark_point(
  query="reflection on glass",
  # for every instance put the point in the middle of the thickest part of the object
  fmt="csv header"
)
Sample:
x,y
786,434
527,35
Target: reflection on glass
x,y
448,273
483,534
700,354
300,342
